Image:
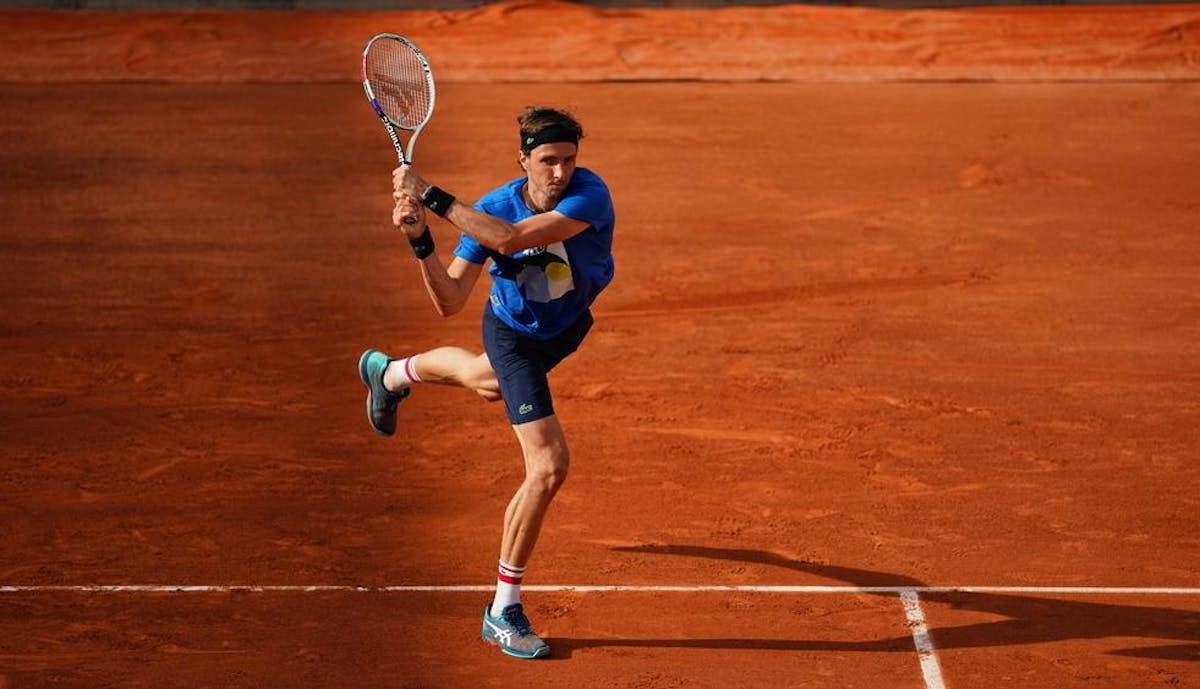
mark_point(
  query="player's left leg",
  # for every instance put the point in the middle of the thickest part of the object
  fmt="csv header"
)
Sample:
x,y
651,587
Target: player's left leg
x,y
547,459
521,365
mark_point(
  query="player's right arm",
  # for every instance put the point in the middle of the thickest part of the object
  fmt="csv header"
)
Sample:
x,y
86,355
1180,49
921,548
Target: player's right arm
x,y
448,287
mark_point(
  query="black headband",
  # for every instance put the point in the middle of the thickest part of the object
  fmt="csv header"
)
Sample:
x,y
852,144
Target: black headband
x,y
548,135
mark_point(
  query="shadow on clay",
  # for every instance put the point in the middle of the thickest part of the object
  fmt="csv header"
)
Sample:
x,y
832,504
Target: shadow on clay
x,y
1030,620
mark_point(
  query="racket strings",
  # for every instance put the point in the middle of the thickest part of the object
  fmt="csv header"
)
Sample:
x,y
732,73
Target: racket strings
x,y
398,79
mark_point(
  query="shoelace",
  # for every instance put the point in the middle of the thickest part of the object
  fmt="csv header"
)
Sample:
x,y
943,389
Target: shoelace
x,y
515,615
393,398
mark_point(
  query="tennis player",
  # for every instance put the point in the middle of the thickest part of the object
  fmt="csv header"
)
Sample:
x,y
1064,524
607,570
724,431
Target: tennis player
x,y
548,234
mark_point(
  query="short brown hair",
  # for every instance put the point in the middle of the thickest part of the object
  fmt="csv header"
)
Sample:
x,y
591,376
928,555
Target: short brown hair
x,y
536,118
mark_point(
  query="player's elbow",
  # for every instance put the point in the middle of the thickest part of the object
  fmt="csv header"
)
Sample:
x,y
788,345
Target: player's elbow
x,y
448,307
510,246
510,241
446,310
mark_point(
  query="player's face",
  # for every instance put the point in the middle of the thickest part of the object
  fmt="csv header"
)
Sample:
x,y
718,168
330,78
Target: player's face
x,y
550,167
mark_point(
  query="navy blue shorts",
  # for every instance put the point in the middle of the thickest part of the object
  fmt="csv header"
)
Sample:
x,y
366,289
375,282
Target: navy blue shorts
x,y
521,364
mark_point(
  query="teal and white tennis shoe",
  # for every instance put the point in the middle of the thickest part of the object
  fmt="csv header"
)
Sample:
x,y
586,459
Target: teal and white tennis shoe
x,y
381,402
512,632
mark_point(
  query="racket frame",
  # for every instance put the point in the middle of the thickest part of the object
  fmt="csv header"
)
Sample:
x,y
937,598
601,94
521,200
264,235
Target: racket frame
x,y
404,155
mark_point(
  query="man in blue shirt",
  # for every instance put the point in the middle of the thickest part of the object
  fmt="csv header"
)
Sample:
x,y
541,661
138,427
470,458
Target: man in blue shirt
x,y
549,236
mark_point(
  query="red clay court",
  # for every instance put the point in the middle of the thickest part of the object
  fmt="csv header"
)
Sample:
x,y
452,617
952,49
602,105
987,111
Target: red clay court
x,y
897,385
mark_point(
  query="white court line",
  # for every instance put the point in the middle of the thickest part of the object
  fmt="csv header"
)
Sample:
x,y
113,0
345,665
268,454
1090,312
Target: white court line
x,y
587,588
931,670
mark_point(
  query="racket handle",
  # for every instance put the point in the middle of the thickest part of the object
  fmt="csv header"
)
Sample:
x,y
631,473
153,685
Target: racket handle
x,y
404,163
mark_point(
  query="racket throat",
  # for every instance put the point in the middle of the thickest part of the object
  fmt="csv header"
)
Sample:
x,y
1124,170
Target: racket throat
x,y
396,142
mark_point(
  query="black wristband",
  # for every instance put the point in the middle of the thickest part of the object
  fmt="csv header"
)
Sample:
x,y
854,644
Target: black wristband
x,y
437,200
422,246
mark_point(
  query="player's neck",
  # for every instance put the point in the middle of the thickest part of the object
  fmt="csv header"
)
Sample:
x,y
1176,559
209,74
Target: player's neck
x,y
536,203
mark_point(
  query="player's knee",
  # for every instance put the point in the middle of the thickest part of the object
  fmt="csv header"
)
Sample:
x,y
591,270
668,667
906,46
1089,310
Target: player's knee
x,y
480,377
489,395
548,480
548,468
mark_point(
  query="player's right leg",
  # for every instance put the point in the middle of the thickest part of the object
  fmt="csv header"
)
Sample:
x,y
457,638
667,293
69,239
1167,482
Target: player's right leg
x,y
381,401
389,380
449,366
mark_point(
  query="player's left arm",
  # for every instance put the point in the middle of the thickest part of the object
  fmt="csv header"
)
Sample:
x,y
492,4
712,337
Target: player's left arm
x,y
508,238
493,232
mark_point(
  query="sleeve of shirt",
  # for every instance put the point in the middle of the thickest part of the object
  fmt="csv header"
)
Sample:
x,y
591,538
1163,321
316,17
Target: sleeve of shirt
x,y
470,249
589,203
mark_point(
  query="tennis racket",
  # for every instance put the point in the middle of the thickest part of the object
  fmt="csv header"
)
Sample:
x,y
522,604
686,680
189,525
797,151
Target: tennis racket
x,y
399,86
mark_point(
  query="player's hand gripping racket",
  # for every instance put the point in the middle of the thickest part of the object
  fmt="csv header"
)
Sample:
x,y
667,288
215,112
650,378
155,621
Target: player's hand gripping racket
x,y
399,86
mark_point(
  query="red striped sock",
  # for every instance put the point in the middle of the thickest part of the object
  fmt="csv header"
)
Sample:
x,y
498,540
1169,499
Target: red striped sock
x,y
508,586
403,373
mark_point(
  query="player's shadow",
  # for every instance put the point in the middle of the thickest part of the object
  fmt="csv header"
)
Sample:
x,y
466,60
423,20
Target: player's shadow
x,y
1028,619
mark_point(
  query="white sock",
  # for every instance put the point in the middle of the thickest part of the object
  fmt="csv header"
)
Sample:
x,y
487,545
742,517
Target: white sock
x,y
402,373
508,587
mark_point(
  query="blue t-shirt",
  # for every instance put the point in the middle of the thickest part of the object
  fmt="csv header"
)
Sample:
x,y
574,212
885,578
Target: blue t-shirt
x,y
540,291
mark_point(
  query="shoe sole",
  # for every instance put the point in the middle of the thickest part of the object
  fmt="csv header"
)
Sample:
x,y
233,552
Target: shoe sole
x,y
362,374
542,653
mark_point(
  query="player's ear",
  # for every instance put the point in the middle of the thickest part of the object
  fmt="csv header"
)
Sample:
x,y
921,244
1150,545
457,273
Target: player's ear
x,y
523,161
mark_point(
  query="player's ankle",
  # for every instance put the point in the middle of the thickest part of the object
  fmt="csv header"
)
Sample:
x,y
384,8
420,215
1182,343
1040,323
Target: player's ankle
x,y
400,374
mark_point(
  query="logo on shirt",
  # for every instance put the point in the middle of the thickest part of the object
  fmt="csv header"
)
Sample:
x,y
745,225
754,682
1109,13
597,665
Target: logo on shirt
x,y
547,273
